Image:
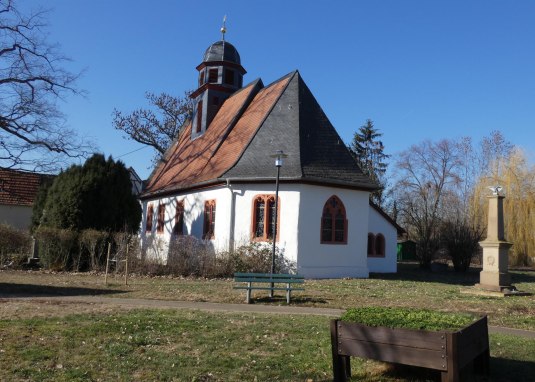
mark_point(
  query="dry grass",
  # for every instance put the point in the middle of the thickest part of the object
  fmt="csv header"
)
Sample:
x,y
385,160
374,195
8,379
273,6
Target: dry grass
x,y
410,287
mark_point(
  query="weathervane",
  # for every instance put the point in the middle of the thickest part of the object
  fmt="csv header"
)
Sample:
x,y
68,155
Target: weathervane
x,y
496,190
224,28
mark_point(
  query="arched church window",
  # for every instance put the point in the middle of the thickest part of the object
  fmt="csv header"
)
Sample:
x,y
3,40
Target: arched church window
x,y
150,214
380,245
334,222
371,244
209,219
263,222
178,229
161,218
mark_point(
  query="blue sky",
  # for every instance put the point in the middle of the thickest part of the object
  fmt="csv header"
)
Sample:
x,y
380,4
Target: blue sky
x,y
419,69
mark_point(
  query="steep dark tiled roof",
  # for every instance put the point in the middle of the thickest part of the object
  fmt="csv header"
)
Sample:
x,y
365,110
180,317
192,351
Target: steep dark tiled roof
x,y
19,188
298,126
252,124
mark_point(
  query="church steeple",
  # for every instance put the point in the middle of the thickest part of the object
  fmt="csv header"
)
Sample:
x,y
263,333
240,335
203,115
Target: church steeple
x,y
220,75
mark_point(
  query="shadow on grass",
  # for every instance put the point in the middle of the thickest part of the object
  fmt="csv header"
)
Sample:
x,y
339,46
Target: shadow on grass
x,y
501,370
413,272
31,290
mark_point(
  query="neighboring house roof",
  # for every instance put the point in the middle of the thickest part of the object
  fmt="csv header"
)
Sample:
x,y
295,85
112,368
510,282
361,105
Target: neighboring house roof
x,y
387,217
251,125
19,188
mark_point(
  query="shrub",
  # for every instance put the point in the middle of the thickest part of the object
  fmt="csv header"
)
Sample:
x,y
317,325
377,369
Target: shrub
x,y
15,246
253,257
93,243
57,247
461,241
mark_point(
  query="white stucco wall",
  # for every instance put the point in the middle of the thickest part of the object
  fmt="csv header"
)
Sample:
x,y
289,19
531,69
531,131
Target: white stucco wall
x,y
378,224
300,211
157,244
318,260
288,215
19,217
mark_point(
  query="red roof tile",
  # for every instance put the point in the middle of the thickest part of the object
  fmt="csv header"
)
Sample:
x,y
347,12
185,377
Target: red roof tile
x,y
191,162
19,188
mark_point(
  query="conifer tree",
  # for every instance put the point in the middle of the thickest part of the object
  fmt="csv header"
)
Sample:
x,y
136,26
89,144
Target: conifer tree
x,y
368,151
97,195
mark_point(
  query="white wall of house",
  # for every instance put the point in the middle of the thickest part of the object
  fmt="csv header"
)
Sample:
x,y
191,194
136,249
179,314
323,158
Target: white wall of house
x,y
378,224
318,260
19,217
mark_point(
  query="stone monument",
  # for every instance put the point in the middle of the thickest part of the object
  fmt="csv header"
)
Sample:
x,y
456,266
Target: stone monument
x,y
495,274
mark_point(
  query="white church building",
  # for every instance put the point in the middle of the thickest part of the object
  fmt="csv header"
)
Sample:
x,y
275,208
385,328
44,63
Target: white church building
x,y
217,180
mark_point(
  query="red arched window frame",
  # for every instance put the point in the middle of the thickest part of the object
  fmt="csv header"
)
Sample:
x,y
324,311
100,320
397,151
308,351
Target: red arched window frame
x,y
178,229
161,218
150,215
333,222
371,244
263,215
209,219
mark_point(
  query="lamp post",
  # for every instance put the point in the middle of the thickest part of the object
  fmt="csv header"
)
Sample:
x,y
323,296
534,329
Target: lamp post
x,y
278,155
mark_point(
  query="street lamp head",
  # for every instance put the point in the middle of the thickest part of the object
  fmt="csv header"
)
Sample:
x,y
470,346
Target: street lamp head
x,y
278,155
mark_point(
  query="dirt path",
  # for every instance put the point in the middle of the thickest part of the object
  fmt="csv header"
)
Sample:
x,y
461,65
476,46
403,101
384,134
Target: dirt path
x,y
131,303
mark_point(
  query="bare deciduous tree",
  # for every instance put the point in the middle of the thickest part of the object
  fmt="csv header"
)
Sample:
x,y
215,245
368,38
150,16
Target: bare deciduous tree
x,y
32,82
156,128
427,174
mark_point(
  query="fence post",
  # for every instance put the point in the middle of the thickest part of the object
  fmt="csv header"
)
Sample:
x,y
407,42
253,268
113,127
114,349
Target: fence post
x,y
126,266
107,264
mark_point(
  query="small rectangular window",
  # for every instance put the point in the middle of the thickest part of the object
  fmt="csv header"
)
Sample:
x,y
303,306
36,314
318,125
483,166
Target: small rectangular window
x,y
201,79
199,117
215,101
212,76
229,77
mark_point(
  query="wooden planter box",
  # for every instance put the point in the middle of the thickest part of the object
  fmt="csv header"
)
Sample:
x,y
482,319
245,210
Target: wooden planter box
x,y
446,351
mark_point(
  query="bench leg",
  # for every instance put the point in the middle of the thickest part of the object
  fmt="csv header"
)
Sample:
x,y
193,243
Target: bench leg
x,y
288,293
248,294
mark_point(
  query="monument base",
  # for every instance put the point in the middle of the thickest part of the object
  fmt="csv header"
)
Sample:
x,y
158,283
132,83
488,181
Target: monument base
x,y
494,291
494,280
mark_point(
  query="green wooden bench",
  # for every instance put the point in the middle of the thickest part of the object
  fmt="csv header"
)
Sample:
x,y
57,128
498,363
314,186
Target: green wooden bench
x,y
271,280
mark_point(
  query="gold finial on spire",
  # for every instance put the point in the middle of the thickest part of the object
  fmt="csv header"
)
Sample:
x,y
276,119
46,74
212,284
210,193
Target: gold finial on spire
x,y
224,28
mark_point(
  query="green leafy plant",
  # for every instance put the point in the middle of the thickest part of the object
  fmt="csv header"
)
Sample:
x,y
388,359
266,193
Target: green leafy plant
x,y
421,319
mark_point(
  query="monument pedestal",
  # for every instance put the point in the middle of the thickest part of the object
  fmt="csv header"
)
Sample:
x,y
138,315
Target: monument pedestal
x,y
495,276
494,279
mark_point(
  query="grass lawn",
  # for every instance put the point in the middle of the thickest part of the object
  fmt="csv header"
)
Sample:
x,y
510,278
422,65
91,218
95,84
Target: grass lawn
x,y
410,287
155,345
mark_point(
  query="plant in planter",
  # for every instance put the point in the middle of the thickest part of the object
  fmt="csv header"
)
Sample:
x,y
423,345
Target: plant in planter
x,y
435,340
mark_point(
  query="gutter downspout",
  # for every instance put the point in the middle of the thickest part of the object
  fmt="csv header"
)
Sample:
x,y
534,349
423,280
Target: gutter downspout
x,y
232,217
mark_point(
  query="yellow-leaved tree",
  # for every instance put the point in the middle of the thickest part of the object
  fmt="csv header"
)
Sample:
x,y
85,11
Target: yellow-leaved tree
x,y
517,177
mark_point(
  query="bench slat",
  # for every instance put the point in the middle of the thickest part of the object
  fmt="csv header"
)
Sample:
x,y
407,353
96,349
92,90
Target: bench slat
x,y
268,275
274,281
267,288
